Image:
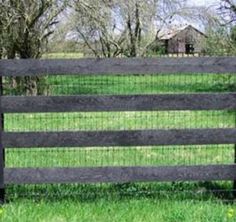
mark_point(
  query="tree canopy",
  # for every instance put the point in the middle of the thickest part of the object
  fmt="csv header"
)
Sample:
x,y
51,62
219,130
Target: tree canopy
x,y
26,26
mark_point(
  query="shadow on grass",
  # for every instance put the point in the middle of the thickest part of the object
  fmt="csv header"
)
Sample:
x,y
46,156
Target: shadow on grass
x,y
204,191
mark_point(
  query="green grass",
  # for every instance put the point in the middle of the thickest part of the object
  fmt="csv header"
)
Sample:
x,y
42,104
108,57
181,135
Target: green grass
x,y
63,55
128,202
141,84
119,120
171,202
120,203
132,209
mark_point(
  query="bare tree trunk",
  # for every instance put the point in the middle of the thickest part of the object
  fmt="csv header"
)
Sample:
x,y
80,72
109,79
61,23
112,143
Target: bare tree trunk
x,y
31,86
135,36
132,50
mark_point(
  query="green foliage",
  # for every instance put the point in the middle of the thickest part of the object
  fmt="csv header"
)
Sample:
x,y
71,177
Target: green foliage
x,y
221,42
233,35
155,48
224,83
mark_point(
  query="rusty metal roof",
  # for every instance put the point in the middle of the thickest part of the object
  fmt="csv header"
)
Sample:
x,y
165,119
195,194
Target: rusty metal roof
x,y
173,31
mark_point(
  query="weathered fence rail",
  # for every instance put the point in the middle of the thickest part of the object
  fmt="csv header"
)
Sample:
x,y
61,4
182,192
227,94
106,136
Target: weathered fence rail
x,y
120,138
214,101
120,174
197,101
118,66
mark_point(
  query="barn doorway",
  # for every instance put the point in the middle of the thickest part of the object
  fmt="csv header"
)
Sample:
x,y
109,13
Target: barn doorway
x,y
189,48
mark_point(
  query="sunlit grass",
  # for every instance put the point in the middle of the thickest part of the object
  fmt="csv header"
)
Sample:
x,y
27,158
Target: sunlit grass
x,y
62,55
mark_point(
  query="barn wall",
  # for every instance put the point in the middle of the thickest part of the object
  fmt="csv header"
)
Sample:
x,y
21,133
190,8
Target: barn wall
x,y
187,36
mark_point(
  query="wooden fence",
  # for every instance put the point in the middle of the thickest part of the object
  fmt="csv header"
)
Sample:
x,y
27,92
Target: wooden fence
x,y
80,139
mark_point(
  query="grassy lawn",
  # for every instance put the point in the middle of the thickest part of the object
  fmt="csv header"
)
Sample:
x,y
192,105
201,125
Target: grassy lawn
x,y
119,203
130,209
171,202
63,55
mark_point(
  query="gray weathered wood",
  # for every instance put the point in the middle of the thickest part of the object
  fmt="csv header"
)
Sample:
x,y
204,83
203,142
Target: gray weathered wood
x,y
118,66
1,146
119,174
120,138
214,101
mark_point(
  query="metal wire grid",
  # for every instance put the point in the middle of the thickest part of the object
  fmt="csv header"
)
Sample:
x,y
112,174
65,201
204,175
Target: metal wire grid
x,y
125,84
86,121
120,156
92,121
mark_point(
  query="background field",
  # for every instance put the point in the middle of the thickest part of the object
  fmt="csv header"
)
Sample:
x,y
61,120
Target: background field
x,y
123,202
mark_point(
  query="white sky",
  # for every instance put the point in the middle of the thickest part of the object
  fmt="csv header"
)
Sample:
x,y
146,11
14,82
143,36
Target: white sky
x,y
203,2
207,3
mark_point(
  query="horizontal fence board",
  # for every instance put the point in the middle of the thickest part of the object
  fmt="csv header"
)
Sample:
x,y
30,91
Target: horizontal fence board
x,y
214,101
119,138
118,66
119,174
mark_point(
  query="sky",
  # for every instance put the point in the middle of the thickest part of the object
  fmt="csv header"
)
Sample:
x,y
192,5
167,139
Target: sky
x,y
203,2
207,3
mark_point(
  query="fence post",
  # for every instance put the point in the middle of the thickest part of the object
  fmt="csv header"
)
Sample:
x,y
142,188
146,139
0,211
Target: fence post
x,y
2,151
234,182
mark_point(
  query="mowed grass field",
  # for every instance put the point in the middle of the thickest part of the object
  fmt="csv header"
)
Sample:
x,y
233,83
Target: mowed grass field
x,y
123,202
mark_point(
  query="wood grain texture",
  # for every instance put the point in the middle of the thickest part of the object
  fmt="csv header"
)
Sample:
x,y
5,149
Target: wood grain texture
x,y
118,66
119,138
214,101
119,174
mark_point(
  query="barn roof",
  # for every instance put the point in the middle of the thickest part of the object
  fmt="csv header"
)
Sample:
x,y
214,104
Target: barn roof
x,y
172,32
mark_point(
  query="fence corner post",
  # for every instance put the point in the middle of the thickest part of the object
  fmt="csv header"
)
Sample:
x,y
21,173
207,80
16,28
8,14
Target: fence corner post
x,y
2,157
234,182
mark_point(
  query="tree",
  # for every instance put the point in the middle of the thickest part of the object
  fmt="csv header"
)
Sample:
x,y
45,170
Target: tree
x,y
219,42
25,29
233,35
93,22
28,24
113,27
227,11
222,34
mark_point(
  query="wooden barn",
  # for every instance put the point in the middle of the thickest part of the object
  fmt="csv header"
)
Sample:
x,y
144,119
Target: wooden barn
x,y
185,39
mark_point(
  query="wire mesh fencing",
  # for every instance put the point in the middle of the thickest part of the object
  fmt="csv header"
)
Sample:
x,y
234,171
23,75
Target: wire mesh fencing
x,y
130,120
